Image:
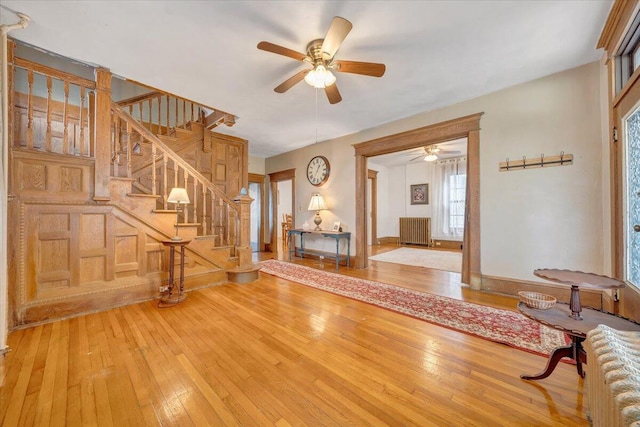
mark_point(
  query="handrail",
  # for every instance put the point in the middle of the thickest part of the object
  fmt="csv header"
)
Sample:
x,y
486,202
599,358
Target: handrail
x,y
138,98
43,69
43,106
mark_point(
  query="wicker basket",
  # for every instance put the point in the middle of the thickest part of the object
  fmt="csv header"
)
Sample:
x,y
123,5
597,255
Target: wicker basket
x,y
536,300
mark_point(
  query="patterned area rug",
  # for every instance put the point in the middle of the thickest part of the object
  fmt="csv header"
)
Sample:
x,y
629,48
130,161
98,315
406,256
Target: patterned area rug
x,y
429,258
497,325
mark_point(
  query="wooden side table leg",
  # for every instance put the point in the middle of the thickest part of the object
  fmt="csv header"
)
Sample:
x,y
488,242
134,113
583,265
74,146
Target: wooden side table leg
x,y
558,353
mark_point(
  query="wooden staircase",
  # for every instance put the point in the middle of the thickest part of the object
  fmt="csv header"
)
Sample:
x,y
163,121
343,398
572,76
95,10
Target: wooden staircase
x,y
88,206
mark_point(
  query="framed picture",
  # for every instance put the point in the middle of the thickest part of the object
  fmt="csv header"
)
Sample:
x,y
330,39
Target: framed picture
x,y
420,194
336,226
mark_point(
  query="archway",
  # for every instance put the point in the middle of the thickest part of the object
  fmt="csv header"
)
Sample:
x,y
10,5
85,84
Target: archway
x,y
469,127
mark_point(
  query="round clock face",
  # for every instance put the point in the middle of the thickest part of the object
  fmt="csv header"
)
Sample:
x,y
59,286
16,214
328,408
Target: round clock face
x,y
318,170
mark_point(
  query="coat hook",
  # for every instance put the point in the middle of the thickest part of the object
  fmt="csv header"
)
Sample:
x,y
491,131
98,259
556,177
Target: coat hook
x,y
524,162
507,163
542,160
561,158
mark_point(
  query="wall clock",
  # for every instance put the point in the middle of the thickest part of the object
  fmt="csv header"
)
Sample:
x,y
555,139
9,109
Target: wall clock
x,y
318,170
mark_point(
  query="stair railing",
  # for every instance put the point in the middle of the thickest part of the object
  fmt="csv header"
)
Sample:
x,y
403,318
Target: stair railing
x,y
161,112
216,214
53,110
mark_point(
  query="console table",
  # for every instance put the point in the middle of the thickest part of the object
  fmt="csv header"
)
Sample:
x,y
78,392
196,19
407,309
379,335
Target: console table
x,y
336,235
168,298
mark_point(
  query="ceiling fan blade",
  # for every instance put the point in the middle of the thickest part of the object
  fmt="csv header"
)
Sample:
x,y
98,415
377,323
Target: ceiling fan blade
x,y
274,48
367,68
333,94
338,31
421,156
291,81
449,152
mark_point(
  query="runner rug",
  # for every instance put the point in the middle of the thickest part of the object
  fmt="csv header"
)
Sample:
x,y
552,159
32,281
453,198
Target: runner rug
x,y
502,326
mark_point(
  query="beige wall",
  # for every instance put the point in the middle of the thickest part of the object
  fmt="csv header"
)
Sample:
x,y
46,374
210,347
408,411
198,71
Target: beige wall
x,y
549,217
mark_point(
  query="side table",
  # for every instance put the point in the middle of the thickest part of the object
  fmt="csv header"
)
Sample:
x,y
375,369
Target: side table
x,y
559,317
168,298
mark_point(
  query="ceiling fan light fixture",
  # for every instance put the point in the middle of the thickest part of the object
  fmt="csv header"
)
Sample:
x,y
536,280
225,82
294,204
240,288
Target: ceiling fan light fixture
x,y
430,157
320,77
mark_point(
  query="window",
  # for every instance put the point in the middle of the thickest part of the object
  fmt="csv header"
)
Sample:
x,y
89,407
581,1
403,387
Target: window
x,y
628,56
457,190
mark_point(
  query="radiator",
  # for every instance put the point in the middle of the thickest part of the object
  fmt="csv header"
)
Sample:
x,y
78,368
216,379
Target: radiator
x,y
613,377
415,231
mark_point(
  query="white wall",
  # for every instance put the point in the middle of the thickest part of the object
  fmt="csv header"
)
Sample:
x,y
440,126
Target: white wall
x,y
551,217
256,165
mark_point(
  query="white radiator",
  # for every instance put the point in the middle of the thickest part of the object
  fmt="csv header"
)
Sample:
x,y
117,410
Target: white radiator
x,y
613,377
415,231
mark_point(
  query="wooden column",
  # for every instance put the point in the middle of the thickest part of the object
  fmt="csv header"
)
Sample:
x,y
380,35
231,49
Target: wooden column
x,y
471,272
244,246
361,212
102,135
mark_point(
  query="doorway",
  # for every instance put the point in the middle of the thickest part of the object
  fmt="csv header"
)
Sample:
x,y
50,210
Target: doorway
x,y
256,192
282,200
464,127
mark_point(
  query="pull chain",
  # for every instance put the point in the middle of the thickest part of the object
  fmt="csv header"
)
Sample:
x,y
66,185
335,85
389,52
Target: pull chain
x,y
317,116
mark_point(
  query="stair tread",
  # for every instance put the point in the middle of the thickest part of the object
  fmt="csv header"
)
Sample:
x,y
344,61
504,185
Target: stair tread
x,y
171,211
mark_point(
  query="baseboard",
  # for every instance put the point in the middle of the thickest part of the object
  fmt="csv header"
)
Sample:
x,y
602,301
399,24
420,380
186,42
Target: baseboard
x,y
505,286
389,240
446,244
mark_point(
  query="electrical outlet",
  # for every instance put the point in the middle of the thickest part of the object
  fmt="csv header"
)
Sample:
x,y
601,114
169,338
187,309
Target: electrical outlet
x,y
163,289
321,257
437,243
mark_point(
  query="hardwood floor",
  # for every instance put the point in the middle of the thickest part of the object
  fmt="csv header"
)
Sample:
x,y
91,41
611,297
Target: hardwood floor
x,y
274,352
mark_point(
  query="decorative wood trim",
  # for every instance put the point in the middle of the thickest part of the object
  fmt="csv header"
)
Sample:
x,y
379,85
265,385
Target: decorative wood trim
x,y
282,175
275,177
43,69
620,14
507,286
467,126
427,135
389,240
373,176
103,135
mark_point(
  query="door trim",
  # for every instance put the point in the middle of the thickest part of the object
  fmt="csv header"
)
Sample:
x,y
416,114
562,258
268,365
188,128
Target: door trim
x,y
467,126
274,178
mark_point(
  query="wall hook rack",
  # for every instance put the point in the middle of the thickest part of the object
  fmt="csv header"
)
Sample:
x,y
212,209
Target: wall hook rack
x,y
540,162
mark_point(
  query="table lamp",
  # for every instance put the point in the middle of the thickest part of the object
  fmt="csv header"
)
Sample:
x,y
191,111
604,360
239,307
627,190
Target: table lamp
x,y
180,197
316,204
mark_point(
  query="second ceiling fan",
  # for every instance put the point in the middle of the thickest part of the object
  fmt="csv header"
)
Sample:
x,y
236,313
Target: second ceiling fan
x,y
320,54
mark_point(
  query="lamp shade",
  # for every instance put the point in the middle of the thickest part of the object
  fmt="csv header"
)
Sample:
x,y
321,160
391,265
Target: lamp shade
x,y
430,157
178,195
317,203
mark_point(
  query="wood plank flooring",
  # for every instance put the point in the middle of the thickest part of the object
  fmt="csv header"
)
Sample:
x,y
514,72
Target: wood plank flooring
x,y
274,352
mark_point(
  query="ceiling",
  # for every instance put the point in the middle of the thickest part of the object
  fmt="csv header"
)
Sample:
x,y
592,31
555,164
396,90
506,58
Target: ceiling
x,y
437,53
450,149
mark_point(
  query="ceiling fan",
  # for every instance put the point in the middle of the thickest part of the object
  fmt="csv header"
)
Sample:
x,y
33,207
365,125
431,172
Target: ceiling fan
x,y
431,152
320,54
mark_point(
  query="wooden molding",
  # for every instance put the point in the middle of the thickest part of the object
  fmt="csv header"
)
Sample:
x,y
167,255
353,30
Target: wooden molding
x,y
427,135
282,175
389,240
620,14
507,286
467,126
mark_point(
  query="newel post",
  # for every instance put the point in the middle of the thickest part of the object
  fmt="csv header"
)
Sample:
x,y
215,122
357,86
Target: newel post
x,y
102,123
244,246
